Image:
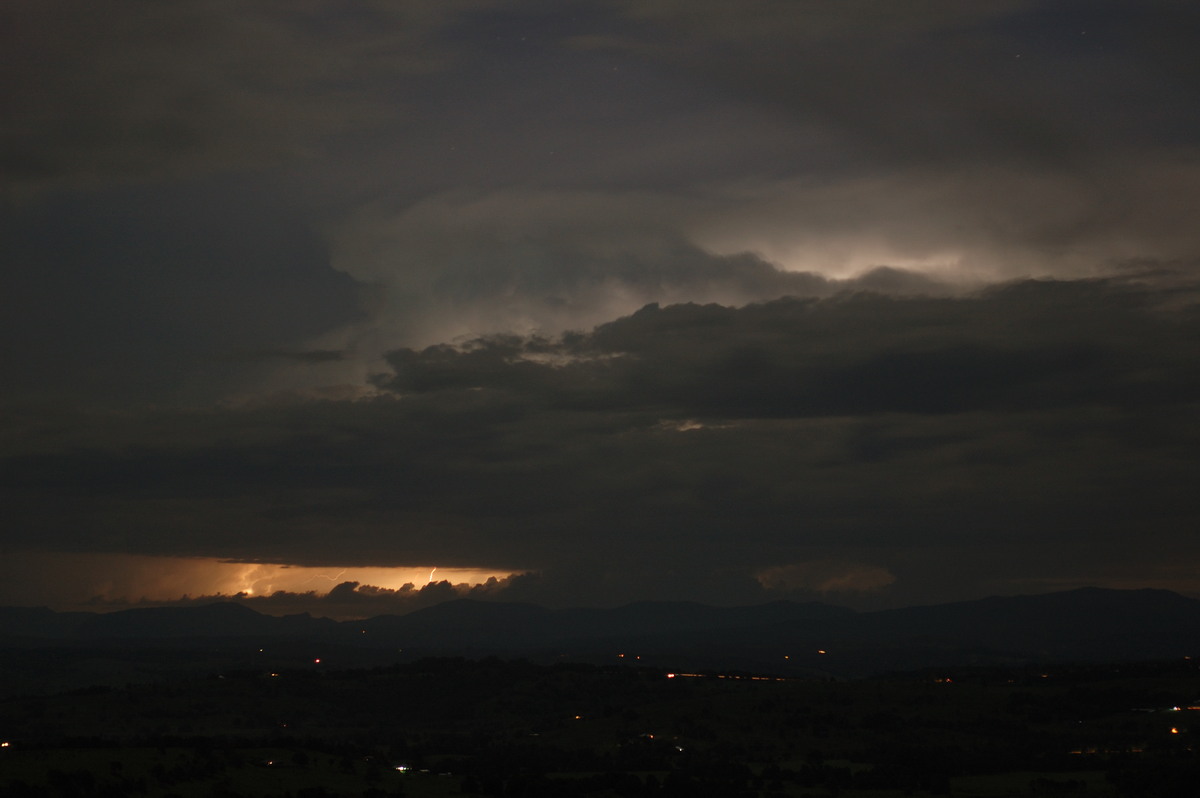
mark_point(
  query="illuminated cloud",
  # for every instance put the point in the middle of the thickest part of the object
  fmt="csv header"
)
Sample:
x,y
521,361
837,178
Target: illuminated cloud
x,y
682,450
114,581
371,283
825,576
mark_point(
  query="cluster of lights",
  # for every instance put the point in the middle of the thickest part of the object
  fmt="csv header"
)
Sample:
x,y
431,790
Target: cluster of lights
x,y
675,675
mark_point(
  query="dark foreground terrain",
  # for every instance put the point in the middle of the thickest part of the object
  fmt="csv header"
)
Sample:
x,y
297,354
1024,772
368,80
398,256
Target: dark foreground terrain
x,y
42,651
493,727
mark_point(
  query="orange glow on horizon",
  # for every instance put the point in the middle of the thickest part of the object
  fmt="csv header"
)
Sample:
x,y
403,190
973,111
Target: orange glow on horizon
x,y
72,579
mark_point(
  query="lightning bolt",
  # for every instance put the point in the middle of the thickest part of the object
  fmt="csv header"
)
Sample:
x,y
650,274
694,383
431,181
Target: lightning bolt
x,y
333,578
431,575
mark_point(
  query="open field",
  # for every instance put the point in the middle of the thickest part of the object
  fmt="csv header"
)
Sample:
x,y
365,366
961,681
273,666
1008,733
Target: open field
x,y
448,727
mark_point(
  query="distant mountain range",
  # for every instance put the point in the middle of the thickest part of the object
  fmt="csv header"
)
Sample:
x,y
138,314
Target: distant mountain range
x,y
788,638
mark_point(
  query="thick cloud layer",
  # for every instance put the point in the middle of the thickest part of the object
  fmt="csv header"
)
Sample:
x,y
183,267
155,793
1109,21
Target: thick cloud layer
x,y
1016,347
1038,430
156,295
682,299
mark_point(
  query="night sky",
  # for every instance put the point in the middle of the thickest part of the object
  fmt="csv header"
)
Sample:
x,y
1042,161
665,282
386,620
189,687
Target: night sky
x,y
870,303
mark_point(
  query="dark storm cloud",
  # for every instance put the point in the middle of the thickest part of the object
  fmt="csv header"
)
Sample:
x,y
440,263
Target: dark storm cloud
x,y
531,166
1017,347
1047,82
915,444
366,99
139,90
141,294
221,218
1011,138
310,356
975,142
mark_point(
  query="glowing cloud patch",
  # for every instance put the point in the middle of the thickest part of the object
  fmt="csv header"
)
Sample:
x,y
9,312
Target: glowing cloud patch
x,y
67,579
825,576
